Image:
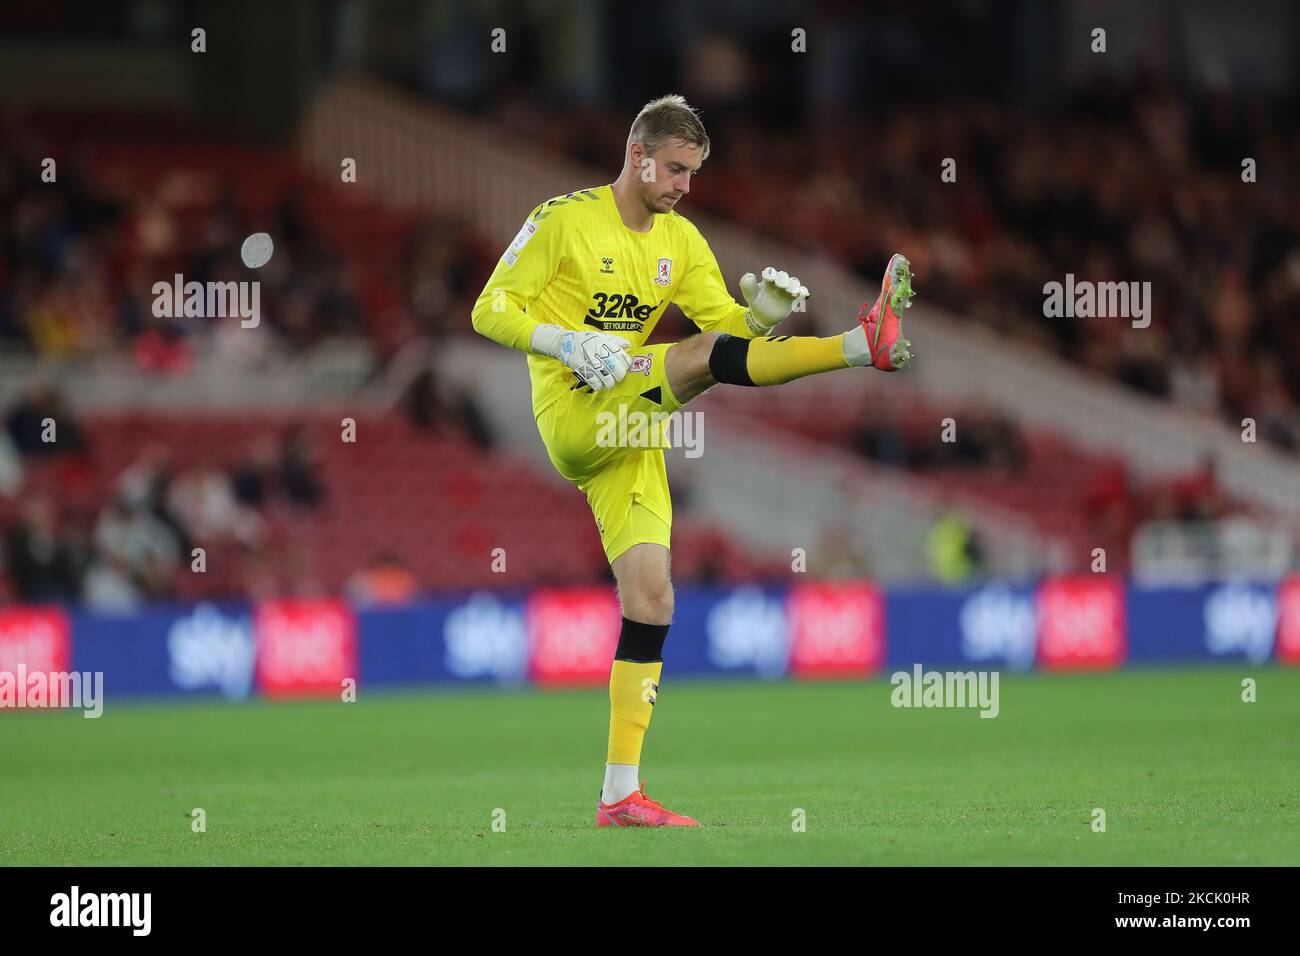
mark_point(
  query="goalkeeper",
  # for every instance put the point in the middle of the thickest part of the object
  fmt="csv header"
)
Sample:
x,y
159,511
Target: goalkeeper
x,y
580,289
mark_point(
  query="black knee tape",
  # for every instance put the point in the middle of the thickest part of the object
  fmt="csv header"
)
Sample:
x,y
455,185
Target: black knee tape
x,y
641,643
729,360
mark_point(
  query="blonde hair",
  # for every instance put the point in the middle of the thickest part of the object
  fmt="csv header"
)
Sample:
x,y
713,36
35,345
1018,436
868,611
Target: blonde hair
x,y
669,117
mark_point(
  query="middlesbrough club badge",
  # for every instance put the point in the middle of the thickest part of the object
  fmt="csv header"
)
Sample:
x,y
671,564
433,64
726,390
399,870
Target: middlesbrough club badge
x,y
665,276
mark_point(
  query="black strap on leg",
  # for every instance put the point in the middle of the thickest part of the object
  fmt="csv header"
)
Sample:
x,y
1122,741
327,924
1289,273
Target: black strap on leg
x,y
729,360
641,643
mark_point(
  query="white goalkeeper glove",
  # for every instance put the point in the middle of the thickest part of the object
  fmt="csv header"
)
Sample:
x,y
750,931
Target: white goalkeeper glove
x,y
771,300
598,358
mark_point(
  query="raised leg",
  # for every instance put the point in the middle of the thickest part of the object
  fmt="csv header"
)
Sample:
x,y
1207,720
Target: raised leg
x,y
688,366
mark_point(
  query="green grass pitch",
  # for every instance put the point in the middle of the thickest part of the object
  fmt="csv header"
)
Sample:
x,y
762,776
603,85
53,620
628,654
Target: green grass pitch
x,y
1186,772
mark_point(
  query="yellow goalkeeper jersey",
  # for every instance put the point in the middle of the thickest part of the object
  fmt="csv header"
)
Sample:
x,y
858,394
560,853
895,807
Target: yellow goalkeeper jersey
x,y
576,265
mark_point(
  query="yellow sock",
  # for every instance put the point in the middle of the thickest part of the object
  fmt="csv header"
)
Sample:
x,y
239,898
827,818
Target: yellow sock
x,y
783,358
632,690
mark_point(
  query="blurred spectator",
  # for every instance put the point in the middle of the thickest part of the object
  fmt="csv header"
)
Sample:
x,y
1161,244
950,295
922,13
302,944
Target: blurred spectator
x,y
1198,495
28,428
11,467
143,486
883,439
954,549
203,500
835,557
300,470
144,482
384,581
980,439
136,541
39,562
444,267
301,579
273,469
434,407
1110,503
108,588
255,475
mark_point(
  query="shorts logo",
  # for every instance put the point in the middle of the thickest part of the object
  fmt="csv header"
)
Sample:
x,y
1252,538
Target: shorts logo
x,y
607,266
665,276
641,363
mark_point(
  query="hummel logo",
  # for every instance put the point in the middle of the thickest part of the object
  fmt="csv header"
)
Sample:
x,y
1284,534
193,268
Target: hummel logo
x,y
607,266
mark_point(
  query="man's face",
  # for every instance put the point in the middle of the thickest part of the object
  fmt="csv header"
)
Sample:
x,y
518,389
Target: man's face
x,y
673,166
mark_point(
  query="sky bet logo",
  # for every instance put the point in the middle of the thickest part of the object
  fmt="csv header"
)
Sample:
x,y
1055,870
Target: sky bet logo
x,y
102,909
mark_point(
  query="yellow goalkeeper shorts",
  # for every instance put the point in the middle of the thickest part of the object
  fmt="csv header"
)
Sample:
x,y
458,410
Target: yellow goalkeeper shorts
x,y
610,444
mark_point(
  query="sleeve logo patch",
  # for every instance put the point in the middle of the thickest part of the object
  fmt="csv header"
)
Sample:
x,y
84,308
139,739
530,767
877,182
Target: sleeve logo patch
x,y
518,243
525,234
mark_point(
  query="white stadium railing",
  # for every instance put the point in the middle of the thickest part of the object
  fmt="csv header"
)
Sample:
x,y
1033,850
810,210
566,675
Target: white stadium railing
x,y
328,376
1187,552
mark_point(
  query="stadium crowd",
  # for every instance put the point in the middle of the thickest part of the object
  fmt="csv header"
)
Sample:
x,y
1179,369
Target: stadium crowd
x,y
78,258
1133,184
116,550
1125,184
